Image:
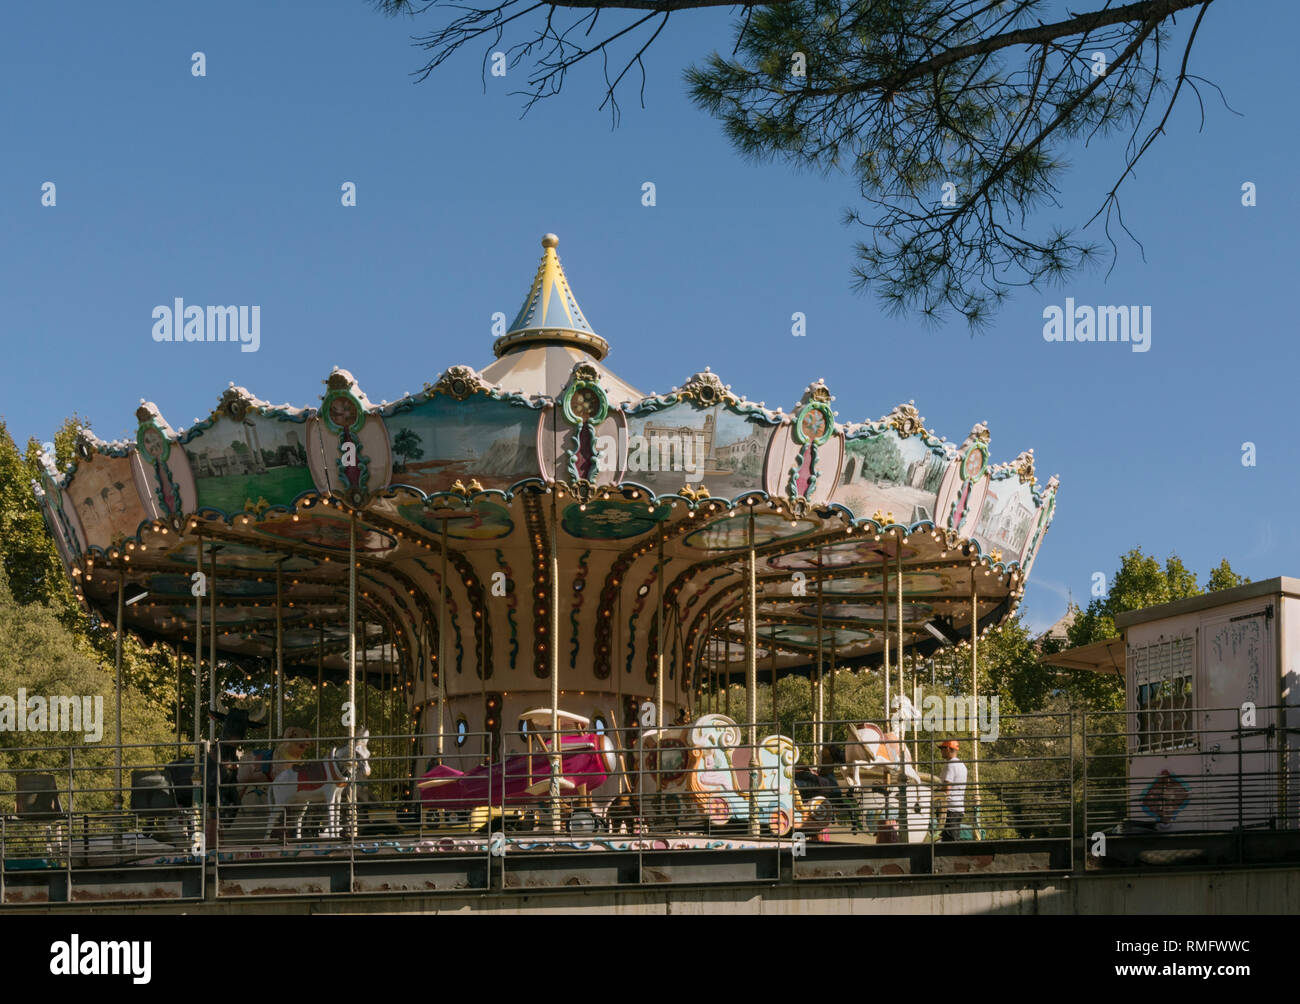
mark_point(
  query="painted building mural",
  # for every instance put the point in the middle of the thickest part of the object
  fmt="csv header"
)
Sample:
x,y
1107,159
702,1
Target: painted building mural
x,y
1007,516
684,444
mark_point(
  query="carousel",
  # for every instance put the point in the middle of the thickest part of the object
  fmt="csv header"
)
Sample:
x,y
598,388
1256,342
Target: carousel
x,y
545,564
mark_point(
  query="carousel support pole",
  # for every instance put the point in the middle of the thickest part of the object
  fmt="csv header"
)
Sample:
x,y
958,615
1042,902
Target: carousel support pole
x,y
320,681
179,698
117,687
553,647
751,677
279,651
902,691
831,696
482,686
198,659
718,684
974,790
775,720
884,598
726,665
365,677
386,709
212,650
902,677
613,667
442,644
717,674
352,674
663,633
710,649
821,700
688,684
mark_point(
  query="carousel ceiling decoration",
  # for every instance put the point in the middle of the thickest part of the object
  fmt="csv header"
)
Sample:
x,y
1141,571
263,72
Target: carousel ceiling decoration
x,y
546,447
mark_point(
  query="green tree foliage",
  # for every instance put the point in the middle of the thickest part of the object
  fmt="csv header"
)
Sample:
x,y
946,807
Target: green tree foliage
x,y
41,655
35,574
1143,582
31,565
954,120
1223,577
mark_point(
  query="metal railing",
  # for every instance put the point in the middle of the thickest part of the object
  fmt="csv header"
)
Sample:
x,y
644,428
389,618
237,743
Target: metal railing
x,y
695,802
1233,770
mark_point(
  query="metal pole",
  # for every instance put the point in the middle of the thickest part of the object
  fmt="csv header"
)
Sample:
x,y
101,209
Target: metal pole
x,y
975,691
775,717
365,676
659,654
751,678
726,664
719,665
613,665
821,706
352,673
212,630
279,648
386,708
556,762
884,599
442,644
902,673
117,686
832,685
482,686
320,680
179,698
198,655
902,690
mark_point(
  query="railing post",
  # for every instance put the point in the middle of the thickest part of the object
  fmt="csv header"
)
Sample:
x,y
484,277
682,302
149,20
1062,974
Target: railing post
x,y
71,785
1083,794
1241,820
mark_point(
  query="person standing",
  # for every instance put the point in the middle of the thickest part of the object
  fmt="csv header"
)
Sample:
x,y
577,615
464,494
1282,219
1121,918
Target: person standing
x,y
954,791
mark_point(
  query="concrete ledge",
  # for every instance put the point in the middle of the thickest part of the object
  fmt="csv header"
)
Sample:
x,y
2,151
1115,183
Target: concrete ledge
x,y
1201,892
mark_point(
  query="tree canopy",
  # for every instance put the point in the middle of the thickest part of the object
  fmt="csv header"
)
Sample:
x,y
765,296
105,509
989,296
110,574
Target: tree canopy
x,y
953,118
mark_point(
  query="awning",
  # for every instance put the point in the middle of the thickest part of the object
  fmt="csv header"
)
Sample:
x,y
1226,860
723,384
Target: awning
x,y
1099,657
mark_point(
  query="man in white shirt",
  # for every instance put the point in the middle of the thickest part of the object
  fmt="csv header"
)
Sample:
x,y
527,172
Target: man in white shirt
x,y
954,791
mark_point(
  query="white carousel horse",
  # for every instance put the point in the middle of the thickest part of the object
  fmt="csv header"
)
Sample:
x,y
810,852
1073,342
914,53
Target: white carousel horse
x,y
883,754
902,716
320,782
257,769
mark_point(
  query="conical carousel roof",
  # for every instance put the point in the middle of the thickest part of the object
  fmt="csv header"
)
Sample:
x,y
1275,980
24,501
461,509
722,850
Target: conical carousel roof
x,y
549,336
488,469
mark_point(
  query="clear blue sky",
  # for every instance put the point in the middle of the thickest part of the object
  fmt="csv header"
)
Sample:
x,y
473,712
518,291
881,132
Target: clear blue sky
x,y
225,189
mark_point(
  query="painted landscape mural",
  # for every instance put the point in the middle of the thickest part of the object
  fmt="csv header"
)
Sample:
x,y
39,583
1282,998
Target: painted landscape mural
x,y
892,474
244,462
442,440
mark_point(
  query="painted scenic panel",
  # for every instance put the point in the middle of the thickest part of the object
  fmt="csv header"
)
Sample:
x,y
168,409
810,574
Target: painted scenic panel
x,y
1007,517
258,458
891,474
103,492
686,445
443,440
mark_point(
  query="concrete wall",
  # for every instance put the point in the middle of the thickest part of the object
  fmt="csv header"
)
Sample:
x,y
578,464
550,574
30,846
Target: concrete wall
x,y
1204,892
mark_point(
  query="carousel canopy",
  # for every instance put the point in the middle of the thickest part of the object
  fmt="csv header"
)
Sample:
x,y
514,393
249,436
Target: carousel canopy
x,y
546,448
